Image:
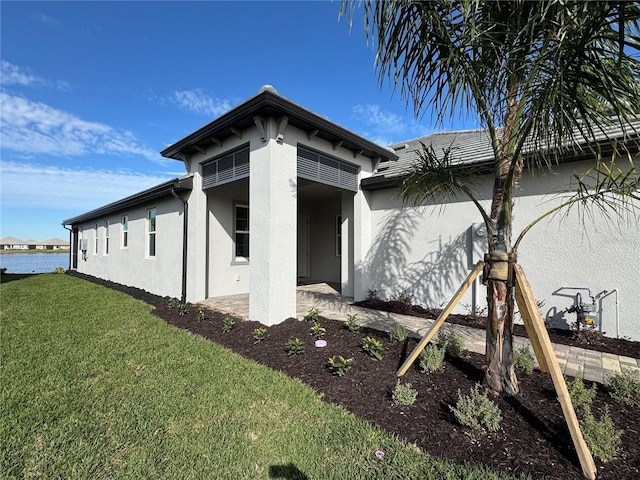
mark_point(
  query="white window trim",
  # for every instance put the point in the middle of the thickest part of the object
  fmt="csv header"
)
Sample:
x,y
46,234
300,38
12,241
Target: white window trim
x,y
150,233
124,239
95,239
236,260
106,236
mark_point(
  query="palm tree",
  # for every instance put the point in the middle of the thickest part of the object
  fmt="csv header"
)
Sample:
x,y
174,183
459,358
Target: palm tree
x,y
537,75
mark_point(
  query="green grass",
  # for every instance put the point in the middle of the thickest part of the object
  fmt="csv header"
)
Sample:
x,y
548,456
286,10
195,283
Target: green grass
x,y
94,386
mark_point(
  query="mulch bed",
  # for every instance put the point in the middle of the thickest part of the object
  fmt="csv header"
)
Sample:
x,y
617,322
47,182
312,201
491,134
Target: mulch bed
x,y
586,338
533,437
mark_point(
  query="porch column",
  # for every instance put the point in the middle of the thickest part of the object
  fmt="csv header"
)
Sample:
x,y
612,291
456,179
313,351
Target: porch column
x,y
272,226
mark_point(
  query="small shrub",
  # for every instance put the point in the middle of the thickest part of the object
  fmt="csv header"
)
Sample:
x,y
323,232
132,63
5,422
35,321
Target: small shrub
x,y
183,309
318,331
294,347
3,270
59,270
625,387
601,436
524,360
313,314
373,347
259,334
453,342
173,303
398,333
431,359
202,316
339,365
372,295
227,324
351,324
477,411
401,302
404,394
581,396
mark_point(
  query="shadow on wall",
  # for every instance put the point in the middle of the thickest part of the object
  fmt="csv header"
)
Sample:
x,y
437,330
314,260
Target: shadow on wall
x,y
432,279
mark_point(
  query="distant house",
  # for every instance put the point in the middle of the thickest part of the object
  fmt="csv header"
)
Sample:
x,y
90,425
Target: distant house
x,y
52,244
275,195
12,243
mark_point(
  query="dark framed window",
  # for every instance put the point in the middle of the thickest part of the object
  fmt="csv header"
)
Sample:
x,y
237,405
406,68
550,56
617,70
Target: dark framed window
x,y
125,231
151,232
241,231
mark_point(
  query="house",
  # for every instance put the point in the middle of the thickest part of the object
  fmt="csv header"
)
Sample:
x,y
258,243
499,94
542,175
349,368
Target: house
x,y
275,195
52,244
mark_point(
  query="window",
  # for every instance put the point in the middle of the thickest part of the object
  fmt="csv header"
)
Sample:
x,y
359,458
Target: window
x,y
106,237
95,250
241,229
125,231
339,236
151,232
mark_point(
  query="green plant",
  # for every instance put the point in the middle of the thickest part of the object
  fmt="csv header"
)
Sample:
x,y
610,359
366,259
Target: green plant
x,y
625,387
59,270
581,396
173,302
294,347
524,361
313,314
403,394
259,334
453,342
431,359
476,410
183,309
227,324
601,436
373,347
351,324
402,302
372,295
3,270
318,331
202,316
339,365
398,333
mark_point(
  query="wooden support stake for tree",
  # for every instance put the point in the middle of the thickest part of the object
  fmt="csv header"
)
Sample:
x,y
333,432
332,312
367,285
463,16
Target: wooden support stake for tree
x,y
441,318
544,352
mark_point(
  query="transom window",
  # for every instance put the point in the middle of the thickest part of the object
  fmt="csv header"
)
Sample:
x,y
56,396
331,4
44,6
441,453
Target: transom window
x,y
241,229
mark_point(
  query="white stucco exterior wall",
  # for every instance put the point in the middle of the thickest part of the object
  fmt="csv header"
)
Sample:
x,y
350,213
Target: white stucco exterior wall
x,y
428,252
132,265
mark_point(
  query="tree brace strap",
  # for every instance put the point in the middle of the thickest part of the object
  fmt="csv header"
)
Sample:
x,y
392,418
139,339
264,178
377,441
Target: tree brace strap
x,y
499,266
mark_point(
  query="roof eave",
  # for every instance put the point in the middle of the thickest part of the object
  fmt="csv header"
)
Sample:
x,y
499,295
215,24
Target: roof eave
x,y
164,189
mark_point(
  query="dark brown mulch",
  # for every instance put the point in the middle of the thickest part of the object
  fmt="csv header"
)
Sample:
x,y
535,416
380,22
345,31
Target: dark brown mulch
x,y
585,339
533,437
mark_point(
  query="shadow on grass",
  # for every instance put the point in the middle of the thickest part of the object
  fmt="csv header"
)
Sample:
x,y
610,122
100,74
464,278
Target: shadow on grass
x,y
288,472
12,277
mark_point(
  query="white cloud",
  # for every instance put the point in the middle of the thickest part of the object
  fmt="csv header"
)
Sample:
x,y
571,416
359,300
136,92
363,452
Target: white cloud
x,y
198,101
385,127
35,128
29,185
14,75
46,19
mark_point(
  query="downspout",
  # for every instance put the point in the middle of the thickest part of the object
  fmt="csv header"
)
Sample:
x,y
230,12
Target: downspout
x,y
185,230
70,244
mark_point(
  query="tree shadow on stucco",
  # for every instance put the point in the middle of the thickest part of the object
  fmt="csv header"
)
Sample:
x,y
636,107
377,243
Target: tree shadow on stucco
x,y
431,280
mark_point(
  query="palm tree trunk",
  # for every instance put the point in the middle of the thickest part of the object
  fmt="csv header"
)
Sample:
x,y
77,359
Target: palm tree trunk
x,y
500,375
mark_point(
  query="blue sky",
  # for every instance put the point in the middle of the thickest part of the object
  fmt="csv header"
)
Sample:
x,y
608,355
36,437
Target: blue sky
x,y
91,92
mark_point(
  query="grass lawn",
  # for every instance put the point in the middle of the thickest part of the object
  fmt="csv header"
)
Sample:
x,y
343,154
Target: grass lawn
x,y
95,386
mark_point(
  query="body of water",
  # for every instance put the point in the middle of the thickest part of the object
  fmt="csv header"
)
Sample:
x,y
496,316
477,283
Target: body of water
x,y
33,262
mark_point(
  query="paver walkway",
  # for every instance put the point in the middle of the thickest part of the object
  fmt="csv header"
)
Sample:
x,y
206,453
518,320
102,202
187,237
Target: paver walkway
x,y
596,366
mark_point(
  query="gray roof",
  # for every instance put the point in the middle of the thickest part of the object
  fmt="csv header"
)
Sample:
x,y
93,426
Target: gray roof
x,y
268,103
54,242
12,241
472,148
180,184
